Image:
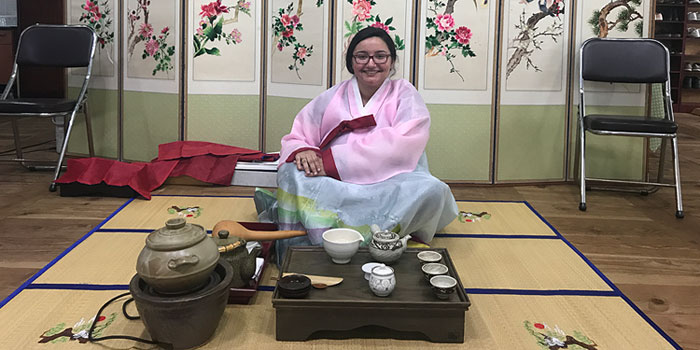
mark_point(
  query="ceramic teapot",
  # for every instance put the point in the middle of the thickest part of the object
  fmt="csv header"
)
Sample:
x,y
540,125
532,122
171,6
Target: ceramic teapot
x,y
386,246
234,251
177,258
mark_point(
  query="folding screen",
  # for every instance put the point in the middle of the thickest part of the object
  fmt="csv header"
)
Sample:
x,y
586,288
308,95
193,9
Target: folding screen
x,y
223,75
298,49
610,156
500,78
455,77
531,136
103,108
151,75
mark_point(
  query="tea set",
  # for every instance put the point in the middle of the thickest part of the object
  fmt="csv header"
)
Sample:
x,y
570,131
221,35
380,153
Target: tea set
x,y
386,248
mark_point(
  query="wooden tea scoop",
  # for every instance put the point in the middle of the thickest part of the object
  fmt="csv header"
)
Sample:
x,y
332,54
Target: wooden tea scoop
x,y
319,282
236,229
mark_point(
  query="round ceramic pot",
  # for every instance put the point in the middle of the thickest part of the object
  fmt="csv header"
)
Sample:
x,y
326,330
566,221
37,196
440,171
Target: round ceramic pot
x,y
382,281
177,258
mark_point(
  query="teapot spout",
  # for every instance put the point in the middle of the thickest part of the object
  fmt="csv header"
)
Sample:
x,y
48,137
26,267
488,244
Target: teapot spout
x,y
405,239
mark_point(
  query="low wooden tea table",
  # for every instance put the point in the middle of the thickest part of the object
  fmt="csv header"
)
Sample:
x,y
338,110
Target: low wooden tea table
x,y
351,310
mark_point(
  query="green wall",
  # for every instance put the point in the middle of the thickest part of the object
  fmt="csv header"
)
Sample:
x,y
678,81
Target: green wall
x,y
149,119
531,143
460,142
102,108
281,112
228,119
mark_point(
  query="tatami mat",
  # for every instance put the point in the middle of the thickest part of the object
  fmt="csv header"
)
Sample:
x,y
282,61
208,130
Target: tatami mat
x,y
497,218
526,284
541,264
103,258
205,211
493,322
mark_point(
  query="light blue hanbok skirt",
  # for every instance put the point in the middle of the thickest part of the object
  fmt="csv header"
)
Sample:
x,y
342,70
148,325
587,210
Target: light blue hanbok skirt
x,y
414,203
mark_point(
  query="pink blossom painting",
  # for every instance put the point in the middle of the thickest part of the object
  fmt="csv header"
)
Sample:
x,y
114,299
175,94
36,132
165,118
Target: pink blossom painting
x,y
223,40
150,39
458,36
297,39
98,15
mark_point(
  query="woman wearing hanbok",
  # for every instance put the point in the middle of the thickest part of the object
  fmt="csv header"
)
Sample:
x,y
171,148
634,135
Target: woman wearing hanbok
x,y
355,157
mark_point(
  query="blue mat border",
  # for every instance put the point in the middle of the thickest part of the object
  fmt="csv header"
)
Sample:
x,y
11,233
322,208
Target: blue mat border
x,y
616,292
56,259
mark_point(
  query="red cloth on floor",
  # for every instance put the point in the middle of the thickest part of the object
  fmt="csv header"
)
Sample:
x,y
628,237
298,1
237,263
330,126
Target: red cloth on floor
x,y
204,161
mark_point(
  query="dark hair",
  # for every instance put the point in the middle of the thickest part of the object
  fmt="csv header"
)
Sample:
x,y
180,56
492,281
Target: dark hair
x,y
365,34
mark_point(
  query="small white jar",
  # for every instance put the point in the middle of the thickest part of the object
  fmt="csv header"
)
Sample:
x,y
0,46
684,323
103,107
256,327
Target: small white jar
x,y
382,280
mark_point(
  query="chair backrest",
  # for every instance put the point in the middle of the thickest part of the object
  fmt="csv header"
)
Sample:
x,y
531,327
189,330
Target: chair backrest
x,y
56,45
624,61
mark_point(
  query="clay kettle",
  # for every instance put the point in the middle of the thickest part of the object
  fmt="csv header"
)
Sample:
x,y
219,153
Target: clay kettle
x,y
177,258
233,250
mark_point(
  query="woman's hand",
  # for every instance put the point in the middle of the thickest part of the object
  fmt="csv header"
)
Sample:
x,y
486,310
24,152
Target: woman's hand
x,y
310,163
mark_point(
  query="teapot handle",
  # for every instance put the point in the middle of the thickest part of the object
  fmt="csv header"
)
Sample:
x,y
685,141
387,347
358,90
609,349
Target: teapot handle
x,y
185,260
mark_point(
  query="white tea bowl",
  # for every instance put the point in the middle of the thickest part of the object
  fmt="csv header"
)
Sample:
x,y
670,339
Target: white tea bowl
x,y
341,244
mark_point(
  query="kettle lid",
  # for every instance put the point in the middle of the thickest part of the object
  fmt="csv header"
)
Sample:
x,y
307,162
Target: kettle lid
x,y
177,234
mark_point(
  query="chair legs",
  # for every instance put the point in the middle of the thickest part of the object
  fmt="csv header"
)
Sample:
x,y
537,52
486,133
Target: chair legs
x,y
582,166
52,187
15,133
88,127
676,173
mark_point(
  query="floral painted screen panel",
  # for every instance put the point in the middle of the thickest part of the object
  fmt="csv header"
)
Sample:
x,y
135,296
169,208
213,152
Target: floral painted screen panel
x,y
298,49
535,43
456,51
224,42
535,52
395,17
151,39
623,19
100,15
297,65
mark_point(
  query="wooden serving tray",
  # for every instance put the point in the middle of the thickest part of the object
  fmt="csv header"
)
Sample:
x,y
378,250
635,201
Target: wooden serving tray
x,y
351,310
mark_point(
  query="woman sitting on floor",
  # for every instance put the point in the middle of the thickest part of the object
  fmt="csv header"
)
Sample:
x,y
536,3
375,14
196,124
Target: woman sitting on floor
x,y
355,157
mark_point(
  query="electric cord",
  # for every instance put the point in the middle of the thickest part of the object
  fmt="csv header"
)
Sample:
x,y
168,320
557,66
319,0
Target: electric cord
x,y
129,317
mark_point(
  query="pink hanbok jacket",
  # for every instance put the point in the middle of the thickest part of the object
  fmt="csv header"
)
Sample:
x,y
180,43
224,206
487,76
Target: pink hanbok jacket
x,y
362,144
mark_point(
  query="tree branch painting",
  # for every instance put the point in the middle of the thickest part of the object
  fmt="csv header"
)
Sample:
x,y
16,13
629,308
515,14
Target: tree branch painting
x,y
530,37
626,14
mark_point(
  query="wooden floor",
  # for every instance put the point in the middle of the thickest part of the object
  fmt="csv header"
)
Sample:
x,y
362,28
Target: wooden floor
x,y
635,240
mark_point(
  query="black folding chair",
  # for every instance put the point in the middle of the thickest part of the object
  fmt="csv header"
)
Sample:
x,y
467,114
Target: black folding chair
x,y
67,46
640,61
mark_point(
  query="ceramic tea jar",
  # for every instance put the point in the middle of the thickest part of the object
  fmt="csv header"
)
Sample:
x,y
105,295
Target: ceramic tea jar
x,y
234,251
382,281
386,246
177,258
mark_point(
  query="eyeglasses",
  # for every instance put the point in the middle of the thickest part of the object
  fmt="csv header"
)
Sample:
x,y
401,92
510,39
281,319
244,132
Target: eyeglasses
x,y
379,58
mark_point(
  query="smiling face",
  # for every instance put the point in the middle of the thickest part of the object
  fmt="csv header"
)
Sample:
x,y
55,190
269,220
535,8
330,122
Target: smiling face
x,y
371,75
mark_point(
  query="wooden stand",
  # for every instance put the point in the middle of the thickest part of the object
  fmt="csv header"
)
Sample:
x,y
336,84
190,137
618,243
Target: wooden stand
x,y
351,310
